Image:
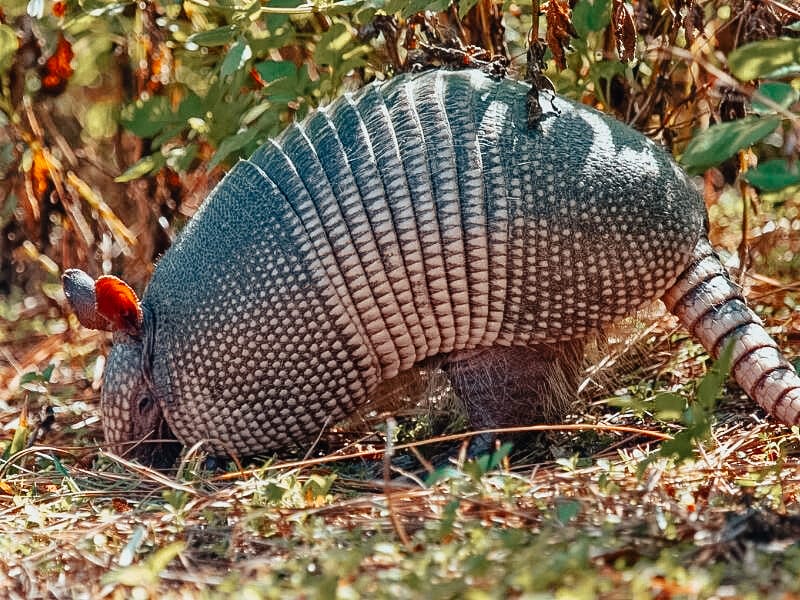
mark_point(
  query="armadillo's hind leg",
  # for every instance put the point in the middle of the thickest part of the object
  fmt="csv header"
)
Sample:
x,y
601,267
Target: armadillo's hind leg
x,y
712,308
515,386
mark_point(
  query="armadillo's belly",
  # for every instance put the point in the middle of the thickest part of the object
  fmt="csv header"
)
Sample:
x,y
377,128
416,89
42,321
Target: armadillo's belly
x,y
412,219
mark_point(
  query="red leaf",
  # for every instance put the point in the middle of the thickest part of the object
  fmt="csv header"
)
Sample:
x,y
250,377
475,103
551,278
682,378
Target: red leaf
x,y
58,68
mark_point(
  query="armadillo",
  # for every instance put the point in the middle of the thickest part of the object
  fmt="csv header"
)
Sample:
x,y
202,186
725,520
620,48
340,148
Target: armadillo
x,y
418,217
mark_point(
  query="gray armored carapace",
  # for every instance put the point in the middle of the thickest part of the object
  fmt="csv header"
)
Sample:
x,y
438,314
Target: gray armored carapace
x,y
416,218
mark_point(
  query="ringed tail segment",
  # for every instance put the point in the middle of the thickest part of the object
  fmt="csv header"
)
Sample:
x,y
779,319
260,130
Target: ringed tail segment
x,y
713,309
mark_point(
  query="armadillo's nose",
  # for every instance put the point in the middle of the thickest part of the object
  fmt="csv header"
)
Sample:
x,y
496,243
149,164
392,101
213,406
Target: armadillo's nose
x,y
157,448
160,455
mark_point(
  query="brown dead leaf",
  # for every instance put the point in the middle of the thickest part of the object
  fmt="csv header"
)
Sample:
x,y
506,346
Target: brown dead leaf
x,y
39,174
559,30
120,504
47,488
23,416
624,30
121,233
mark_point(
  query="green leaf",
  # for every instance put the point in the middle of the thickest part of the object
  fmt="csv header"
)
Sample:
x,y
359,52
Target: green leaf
x,y
774,175
781,94
591,15
566,510
792,70
48,372
274,493
760,59
569,464
60,468
607,69
273,70
464,6
163,556
191,106
231,144
669,406
29,377
135,575
417,6
215,37
146,118
180,158
318,486
154,118
476,468
236,58
146,572
19,441
100,120
719,142
36,376
499,455
8,48
170,131
441,474
254,113
177,499
711,385
142,167
332,44
681,446
698,416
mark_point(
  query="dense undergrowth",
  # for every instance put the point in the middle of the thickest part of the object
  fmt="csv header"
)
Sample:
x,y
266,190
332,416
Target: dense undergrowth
x,y
118,117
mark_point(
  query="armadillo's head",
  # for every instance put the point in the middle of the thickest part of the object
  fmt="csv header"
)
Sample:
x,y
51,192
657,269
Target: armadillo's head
x,y
131,412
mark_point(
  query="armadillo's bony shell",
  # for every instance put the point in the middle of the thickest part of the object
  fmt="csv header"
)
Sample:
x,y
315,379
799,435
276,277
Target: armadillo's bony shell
x,y
415,217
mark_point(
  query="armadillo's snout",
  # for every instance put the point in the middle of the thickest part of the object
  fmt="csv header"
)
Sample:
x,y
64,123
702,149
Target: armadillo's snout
x,y
138,430
712,308
133,422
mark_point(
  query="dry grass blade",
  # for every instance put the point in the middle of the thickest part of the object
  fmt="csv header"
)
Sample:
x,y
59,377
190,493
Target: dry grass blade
x,y
584,510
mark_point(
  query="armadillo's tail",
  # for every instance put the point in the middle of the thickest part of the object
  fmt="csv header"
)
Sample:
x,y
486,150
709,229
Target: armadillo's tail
x,y
712,308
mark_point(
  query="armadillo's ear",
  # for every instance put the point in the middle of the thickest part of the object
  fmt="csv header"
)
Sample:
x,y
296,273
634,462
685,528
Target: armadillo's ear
x,y
117,302
108,304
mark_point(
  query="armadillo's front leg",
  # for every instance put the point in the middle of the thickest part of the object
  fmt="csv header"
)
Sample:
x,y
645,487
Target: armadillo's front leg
x,y
712,308
513,386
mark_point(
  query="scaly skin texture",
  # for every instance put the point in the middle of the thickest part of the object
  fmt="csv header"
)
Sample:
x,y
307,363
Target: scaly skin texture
x,y
414,219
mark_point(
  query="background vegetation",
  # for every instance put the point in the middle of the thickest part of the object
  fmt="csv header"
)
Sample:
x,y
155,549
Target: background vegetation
x,y
117,119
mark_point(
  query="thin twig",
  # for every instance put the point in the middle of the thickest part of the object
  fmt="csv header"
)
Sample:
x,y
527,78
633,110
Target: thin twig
x,y
400,530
